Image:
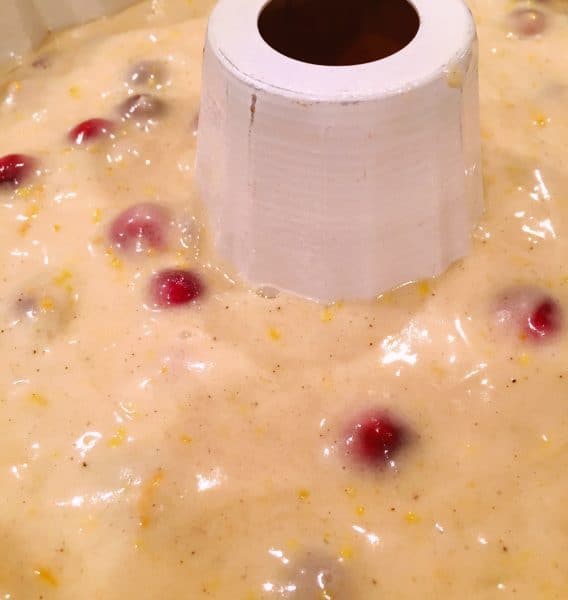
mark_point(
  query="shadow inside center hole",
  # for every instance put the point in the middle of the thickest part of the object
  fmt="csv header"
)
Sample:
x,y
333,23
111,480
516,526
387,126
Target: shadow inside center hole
x,y
338,33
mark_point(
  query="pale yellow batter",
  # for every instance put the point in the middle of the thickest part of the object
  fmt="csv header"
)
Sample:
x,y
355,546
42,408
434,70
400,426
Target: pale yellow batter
x,y
198,451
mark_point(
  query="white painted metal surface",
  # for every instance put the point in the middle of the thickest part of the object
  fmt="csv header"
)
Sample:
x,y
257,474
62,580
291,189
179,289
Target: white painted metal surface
x,y
340,182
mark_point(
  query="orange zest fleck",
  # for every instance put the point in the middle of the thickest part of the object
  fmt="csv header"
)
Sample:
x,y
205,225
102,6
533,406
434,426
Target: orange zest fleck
x,y
274,334
97,215
38,399
146,501
118,438
46,575
411,517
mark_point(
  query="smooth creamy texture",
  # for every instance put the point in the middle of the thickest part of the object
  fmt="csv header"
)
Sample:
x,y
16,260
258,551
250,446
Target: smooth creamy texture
x,y
196,452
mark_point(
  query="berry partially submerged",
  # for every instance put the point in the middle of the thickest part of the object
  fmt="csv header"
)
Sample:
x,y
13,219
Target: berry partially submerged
x,y
527,22
142,107
149,73
314,575
46,306
175,287
529,312
140,228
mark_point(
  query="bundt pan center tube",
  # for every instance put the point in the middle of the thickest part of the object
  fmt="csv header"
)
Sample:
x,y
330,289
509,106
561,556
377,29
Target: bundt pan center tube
x,y
338,145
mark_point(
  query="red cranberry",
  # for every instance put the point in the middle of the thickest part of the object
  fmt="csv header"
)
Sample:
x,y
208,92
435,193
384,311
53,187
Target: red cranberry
x,y
15,168
140,228
527,22
142,106
89,130
375,437
530,312
174,287
545,319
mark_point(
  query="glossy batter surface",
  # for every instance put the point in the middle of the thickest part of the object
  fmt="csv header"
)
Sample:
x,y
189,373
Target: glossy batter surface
x,y
168,433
